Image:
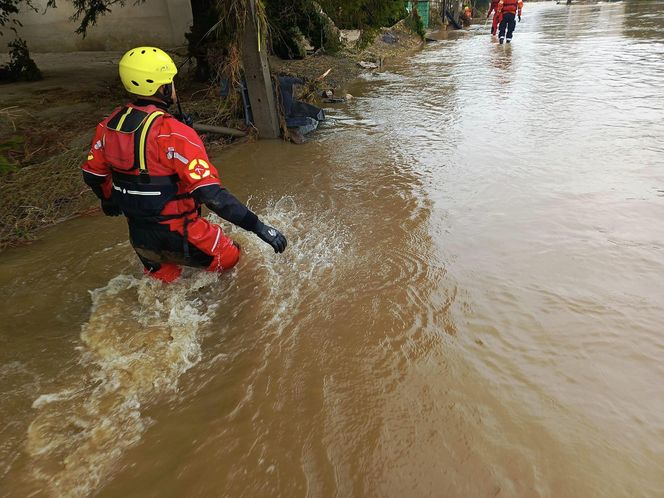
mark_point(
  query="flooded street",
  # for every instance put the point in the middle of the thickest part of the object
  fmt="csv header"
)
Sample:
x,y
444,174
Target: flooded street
x,y
471,302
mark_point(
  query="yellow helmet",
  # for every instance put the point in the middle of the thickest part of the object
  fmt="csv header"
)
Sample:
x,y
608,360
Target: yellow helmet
x,y
144,69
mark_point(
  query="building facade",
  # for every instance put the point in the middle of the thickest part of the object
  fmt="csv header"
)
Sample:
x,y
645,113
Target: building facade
x,y
153,22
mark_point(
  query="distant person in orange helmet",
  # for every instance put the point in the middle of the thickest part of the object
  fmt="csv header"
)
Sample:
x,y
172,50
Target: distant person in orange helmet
x,y
147,165
508,10
496,17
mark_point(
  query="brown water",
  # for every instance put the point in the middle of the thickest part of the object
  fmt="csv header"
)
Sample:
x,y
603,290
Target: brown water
x,y
471,304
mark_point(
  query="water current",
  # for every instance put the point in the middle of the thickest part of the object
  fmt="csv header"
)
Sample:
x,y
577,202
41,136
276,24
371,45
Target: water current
x,y
471,303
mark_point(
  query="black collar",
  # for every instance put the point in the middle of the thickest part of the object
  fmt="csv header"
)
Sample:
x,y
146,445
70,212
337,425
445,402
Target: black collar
x,y
145,102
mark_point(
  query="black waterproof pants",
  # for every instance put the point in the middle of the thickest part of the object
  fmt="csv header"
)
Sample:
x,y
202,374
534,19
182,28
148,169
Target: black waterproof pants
x,y
507,23
155,244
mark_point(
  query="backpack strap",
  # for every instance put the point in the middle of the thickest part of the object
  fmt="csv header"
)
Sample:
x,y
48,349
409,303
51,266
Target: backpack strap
x,y
127,120
140,144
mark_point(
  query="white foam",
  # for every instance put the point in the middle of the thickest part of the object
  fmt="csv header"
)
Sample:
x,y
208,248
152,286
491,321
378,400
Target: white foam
x,y
45,399
141,337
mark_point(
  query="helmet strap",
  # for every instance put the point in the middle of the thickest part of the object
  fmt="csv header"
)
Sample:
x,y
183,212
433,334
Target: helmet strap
x,y
166,95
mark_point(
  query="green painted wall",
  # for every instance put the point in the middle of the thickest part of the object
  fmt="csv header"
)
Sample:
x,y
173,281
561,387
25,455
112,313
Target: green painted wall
x,y
422,10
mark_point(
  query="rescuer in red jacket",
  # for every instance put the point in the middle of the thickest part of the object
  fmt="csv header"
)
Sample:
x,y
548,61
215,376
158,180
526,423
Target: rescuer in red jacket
x,y
154,169
508,9
496,17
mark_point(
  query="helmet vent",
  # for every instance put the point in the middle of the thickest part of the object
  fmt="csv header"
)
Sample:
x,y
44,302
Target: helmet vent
x,y
142,51
134,83
149,81
154,50
131,54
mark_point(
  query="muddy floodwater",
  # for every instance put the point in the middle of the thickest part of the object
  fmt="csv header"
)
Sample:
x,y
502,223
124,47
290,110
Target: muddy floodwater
x,y
471,303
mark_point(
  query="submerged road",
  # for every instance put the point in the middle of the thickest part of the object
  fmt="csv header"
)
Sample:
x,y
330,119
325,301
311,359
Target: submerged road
x,y
471,303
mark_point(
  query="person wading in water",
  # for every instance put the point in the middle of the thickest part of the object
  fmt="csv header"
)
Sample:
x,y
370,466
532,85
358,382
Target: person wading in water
x,y
508,10
496,17
146,164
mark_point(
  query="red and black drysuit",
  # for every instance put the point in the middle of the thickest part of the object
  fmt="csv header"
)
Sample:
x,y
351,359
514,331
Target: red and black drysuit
x,y
507,10
496,16
152,168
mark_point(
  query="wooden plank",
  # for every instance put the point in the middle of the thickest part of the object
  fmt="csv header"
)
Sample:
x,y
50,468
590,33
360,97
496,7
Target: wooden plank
x,y
259,82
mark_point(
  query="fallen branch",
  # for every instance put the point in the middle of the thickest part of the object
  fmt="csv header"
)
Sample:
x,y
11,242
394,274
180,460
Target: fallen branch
x,y
219,130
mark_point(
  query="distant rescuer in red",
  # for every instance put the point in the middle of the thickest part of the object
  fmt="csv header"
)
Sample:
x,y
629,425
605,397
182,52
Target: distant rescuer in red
x,y
154,169
496,18
507,10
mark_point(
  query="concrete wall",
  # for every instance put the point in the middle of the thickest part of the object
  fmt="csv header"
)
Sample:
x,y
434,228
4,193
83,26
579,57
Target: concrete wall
x,y
156,22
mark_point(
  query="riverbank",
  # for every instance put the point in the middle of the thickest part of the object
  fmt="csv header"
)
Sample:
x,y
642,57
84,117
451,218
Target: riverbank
x,y
389,44
45,126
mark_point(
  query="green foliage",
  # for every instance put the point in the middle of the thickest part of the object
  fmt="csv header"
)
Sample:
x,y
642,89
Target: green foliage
x,y
21,67
367,36
414,22
331,36
289,43
291,22
8,8
88,11
291,18
362,14
7,164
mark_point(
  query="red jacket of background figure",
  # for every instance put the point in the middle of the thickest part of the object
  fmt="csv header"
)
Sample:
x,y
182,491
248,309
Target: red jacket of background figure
x,y
492,7
510,7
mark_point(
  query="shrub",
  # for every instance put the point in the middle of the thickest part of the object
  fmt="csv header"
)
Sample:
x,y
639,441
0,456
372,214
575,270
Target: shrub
x,y
21,67
414,22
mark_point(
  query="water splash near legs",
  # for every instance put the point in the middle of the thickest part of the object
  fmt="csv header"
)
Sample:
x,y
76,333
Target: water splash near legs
x,y
140,338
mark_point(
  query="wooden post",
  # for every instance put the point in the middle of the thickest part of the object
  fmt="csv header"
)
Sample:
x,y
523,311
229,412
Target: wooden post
x,y
257,74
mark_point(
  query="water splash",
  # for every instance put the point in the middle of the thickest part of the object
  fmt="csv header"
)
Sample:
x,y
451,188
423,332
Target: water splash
x,y
140,338
317,244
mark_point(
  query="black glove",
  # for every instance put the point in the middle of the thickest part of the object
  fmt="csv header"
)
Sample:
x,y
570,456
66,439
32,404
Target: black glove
x,y
271,235
519,18
110,208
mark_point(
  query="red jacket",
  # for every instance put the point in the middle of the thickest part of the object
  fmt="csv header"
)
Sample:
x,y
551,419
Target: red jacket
x,y
149,163
510,7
